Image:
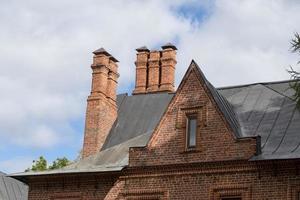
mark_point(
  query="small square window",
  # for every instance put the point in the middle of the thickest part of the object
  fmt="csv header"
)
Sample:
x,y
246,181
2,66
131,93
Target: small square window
x,y
191,130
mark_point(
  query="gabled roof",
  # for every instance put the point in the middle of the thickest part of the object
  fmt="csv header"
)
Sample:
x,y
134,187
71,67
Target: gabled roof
x,y
225,107
11,189
265,109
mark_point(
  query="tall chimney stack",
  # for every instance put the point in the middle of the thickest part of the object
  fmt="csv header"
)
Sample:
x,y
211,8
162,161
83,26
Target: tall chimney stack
x,y
141,63
155,70
168,62
101,104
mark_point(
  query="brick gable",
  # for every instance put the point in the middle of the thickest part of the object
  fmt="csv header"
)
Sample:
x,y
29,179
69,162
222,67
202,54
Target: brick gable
x,y
215,140
217,168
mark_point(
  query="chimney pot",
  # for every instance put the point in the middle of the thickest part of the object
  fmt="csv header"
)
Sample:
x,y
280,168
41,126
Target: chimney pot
x,y
101,51
143,49
169,45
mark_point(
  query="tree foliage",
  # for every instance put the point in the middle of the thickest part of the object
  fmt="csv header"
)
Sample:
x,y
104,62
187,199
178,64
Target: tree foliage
x,y
296,43
41,164
295,75
59,163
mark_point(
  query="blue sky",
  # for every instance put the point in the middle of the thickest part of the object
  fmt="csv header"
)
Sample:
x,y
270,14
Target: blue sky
x,y
46,52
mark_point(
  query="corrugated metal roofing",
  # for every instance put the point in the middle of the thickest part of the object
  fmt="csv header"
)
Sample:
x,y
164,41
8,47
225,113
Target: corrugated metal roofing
x,y
11,189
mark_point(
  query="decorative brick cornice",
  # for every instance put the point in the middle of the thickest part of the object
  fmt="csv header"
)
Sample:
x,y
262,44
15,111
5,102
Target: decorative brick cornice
x,y
145,194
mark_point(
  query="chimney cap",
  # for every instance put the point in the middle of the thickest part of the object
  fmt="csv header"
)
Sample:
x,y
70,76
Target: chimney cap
x,y
113,59
169,45
101,51
142,49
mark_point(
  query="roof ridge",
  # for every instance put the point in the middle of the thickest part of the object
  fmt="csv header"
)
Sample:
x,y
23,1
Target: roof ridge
x,y
224,106
256,83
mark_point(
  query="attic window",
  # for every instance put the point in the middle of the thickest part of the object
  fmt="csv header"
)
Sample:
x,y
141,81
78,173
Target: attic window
x,y
191,131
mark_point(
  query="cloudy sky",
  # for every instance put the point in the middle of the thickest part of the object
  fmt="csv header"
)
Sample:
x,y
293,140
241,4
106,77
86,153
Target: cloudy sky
x,y
46,51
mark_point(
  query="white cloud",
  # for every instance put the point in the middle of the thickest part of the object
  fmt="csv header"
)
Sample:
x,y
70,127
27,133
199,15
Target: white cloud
x,y
46,50
16,164
243,41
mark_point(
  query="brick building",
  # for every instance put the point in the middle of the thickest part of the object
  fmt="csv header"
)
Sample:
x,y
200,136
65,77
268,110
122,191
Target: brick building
x,y
197,142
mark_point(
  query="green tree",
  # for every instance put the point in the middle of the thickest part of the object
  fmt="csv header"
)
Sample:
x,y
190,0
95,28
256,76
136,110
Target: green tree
x,y
38,165
295,75
41,164
59,163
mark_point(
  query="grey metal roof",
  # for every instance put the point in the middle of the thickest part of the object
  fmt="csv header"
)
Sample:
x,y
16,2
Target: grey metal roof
x,y
265,109
137,114
268,110
11,189
111,159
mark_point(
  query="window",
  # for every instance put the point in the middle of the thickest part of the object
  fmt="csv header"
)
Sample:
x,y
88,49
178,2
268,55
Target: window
x,y
191,131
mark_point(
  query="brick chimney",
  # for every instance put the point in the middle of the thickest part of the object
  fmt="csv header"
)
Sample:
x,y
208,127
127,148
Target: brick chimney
x,y
168,62
155,70
101,109
141,64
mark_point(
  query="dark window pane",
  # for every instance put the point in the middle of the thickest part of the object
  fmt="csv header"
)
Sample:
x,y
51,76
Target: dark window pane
x,y
192,129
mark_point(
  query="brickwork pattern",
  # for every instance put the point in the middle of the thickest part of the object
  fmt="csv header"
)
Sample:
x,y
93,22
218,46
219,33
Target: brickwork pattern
x,y
101,109
72,187
155,71
201,181
214,141
166,169
246,180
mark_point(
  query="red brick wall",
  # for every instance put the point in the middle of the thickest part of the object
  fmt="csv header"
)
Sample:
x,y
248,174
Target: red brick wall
x,y
199,181
69,187
215,139
265,181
